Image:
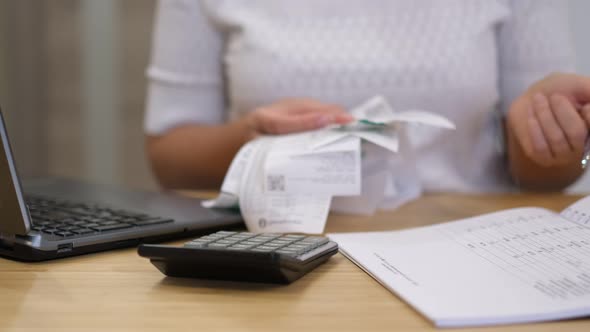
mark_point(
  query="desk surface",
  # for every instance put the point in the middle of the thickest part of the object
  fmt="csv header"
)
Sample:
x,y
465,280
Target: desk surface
x,y
119,291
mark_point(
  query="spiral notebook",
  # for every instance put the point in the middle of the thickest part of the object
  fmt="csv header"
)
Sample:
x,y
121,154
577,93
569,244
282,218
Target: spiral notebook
x,y
512,266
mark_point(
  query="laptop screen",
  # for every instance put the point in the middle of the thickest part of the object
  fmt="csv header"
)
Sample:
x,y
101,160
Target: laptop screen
x,y
13,209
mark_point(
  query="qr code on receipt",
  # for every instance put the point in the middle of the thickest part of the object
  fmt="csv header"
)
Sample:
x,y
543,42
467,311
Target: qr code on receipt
x,y
275,183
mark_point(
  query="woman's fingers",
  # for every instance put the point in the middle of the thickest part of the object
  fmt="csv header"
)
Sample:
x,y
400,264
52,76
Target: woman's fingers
x,y
557,129
280,123
334,113
540,152
552,131
585,113
570,121
297,115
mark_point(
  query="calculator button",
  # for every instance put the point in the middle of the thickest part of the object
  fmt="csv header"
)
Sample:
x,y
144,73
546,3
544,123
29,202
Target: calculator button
x,y
195,245
293,236
199,241
297,246
224,241
273,245
267,237
224,233
240,246
280,242
207,238
257,240
217,245
240,237
250,243
314,240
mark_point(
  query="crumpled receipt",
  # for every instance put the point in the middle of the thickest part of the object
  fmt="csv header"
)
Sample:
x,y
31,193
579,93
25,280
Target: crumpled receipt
x,y
289,183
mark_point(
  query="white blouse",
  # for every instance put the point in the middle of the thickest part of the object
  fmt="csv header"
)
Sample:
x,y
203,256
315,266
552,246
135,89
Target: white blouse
x,y
464,59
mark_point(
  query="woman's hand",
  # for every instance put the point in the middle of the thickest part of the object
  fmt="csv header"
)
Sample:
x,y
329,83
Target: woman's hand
x,y
547,128
294,115
550,121
198,156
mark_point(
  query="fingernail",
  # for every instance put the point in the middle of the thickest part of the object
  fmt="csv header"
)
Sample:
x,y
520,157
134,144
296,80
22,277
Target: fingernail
x,y
345,118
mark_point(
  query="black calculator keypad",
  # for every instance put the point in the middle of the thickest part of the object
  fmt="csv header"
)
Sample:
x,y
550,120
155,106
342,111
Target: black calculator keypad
x,y
288,245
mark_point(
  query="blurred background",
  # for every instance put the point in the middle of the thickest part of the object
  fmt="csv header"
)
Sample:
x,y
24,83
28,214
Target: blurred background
x,y
72,85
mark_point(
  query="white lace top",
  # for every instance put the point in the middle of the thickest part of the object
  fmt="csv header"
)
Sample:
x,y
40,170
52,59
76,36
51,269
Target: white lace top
x,y
460,58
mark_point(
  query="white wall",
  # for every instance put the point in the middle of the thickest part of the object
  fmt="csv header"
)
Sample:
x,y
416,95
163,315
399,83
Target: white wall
x,y
579,13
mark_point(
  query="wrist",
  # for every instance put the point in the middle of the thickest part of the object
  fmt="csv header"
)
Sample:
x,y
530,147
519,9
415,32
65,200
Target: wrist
x,y
249,126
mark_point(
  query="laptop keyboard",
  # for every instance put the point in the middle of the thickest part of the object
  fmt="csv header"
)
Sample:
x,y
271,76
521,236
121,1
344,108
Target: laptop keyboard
x,y
68,219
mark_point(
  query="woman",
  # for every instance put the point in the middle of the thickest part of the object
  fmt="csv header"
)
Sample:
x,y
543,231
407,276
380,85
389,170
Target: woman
x,y
223,72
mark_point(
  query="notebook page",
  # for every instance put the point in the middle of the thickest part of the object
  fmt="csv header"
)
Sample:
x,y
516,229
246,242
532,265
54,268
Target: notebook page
x,y
512,266
579,212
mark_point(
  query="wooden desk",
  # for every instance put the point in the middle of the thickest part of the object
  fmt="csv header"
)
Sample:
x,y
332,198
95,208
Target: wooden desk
x,y
119,291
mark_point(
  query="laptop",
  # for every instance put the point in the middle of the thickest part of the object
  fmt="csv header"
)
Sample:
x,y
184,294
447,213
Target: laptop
x,y
48,218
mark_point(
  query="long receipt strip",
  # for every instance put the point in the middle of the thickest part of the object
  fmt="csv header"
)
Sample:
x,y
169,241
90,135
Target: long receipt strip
x,y
287,183
512,266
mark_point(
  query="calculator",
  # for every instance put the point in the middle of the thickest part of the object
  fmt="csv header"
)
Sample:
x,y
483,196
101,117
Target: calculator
x,y
242,256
